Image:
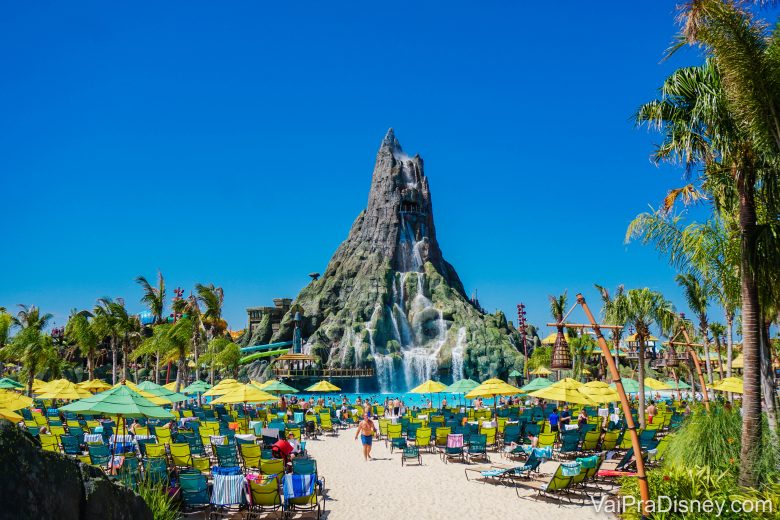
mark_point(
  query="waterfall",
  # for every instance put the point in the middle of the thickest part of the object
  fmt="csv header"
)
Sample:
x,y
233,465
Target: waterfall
x,y
457,355
385,371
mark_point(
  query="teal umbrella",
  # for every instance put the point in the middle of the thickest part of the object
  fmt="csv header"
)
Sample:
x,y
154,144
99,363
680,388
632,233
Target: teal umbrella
x,y
279,388
463,386
631,386
682,385
119,400
536,384
514,373
10,384
161,391
197,387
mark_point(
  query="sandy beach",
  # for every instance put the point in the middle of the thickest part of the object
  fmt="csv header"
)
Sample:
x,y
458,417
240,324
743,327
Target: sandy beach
x,y
383,489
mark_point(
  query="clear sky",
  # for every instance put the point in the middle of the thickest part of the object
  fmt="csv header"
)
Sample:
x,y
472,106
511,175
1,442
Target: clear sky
x,y
234,143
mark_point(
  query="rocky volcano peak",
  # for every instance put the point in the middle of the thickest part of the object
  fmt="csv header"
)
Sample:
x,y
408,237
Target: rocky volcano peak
x,y
390,301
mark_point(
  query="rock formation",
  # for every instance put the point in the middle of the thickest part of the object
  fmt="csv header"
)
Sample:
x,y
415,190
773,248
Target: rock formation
x,y
388,298
41,484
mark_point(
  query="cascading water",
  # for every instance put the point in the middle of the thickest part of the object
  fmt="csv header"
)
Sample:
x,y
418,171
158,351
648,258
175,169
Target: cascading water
x,y
457,355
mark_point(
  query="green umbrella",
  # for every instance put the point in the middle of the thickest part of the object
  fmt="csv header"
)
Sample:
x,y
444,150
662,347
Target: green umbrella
x,y
161,391
536,384
514,373
120,400
278,388
197,387
682,385
631,386
463,386
10,384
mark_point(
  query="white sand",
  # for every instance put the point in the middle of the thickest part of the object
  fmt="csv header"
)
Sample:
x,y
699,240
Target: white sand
x,y
383,489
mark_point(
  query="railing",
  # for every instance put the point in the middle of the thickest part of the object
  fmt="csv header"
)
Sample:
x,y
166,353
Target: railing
x,y
324,372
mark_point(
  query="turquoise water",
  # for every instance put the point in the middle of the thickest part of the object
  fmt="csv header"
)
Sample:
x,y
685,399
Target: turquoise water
x,y
410,400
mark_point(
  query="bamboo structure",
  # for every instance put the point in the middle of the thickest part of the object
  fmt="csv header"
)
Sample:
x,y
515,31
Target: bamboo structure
x,y
644,489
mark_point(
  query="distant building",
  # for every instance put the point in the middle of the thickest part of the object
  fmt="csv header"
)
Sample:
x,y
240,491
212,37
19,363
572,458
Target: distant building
x,y
275,314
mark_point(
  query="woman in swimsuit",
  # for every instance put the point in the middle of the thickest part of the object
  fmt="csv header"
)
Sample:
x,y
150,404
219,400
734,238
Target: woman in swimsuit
x,y
366,430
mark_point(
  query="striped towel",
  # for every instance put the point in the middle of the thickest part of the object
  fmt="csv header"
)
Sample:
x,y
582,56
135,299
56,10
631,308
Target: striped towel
x,y
543,453
228,490
297,486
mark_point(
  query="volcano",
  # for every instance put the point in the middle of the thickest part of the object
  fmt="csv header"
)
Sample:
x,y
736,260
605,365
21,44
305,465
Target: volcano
x,y
390,300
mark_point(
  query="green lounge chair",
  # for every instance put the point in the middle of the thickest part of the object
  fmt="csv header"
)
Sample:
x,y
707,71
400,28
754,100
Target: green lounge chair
x,y
558,483
264,498
411,453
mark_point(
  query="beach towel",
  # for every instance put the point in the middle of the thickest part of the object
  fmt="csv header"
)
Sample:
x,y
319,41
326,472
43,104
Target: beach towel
x,y
571,469
588,462
543,453
218,440
228,490
455,440
297,486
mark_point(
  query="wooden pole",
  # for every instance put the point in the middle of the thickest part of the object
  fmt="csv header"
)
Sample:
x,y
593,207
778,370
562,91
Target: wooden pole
x,y
695,358
644,490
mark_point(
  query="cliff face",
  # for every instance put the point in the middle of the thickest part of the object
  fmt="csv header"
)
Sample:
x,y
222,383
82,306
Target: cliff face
x,y
389,299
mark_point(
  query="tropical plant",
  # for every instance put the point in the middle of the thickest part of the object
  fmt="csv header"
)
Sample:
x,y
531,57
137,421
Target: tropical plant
x,y
211,298
83,332
160,502
230,357
31,346
154,297
180,338
718,331
613,311
6,320
697,296
723,119
645,308
157,346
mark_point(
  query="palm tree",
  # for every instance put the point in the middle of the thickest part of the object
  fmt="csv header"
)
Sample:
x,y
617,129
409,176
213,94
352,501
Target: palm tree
x,y
180,337
613,311
154,297
31,346
718,331
724,118
6,321
158,346
112,321
697,297
190,308
211,298
84,333
645,308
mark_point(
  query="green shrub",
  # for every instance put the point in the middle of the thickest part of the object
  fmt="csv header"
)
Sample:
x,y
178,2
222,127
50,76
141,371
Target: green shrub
x,y
700,484
159,501
714,439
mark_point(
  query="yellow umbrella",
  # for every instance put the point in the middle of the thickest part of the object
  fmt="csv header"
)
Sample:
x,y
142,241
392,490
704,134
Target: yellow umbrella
x,y
94,385
9,415
550,340
541,371
599,392
38,385
429,387
323,386
225,386
170,386
729,384
155,399
655,384
63,389
13,401
567,390
263,385
492,388
245,394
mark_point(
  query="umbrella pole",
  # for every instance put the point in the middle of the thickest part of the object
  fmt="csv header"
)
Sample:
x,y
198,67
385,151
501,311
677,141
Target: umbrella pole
x,y
644,489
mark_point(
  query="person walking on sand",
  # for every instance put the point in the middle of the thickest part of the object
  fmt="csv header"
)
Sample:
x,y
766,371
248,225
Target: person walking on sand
x,y
367,431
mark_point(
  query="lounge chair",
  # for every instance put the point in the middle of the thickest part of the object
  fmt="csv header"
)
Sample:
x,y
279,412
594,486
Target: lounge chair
x,y
250,455
505,474
156,470
265,497
570,443
546,440
300,494
590,442
411,453
423,438
194,490
227,456
557,483
477,448
271,466
70,445
99,455
454,448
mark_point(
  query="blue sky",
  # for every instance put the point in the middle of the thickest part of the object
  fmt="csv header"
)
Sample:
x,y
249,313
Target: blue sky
x,y
234,144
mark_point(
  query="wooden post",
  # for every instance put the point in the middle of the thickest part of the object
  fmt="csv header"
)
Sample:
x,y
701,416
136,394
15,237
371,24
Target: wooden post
x,y
644,489
695,358
677,385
